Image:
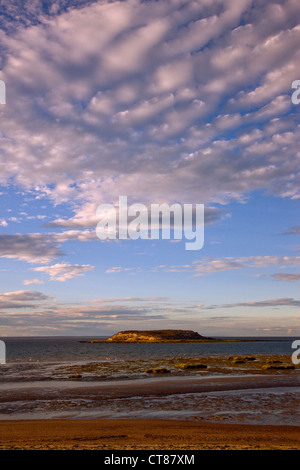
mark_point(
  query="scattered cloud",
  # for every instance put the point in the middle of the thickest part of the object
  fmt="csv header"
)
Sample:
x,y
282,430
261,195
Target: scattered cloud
x,y
64,271
286,277
39,247
90,318
118,269
130,299
294,231
180,101
22,299
32,247
284,302
206,265
28,282
155,92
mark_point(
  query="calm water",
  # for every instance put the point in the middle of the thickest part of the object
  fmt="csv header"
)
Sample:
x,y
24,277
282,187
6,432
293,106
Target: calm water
x,y
40,358
45,349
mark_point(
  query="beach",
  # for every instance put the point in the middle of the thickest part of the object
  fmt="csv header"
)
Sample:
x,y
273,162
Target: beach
x,y
147,397
183,430
147,434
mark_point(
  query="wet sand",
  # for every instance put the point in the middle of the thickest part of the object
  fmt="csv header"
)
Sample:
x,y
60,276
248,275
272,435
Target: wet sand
x,y
241,407
148,434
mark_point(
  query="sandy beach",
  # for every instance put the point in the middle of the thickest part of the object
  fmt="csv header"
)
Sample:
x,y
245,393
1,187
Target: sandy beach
x,y
142,431
226,403
143,435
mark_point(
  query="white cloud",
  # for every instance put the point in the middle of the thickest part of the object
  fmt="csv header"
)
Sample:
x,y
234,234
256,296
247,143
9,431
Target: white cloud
x,y
64,271
117,269
99,115
28,282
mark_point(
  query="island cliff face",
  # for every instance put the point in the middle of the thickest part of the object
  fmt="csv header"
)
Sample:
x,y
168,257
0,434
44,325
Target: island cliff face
x,y
155,336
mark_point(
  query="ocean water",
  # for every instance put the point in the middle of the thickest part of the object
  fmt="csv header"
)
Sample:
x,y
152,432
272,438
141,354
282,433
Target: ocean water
x,y
74,348
40,358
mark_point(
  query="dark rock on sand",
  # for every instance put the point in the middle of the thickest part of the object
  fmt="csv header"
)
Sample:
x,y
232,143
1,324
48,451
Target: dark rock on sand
x,y
159,370
191,366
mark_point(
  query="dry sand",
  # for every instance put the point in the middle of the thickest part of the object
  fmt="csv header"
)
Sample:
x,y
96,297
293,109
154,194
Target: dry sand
x,y
158,434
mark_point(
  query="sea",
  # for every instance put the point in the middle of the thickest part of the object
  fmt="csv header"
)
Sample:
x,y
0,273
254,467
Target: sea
x,y
63,377
40,358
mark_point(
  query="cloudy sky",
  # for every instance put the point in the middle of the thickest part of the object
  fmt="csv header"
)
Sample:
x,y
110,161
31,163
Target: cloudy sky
x,y
177,101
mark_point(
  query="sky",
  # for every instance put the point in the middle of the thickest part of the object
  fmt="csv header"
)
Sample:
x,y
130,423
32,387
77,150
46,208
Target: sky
x,y
174,102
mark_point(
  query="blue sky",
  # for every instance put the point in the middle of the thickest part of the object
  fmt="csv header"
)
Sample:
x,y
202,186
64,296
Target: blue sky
x,y
181,101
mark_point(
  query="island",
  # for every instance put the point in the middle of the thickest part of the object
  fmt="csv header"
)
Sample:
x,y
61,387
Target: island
x,y
163,336
154,336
